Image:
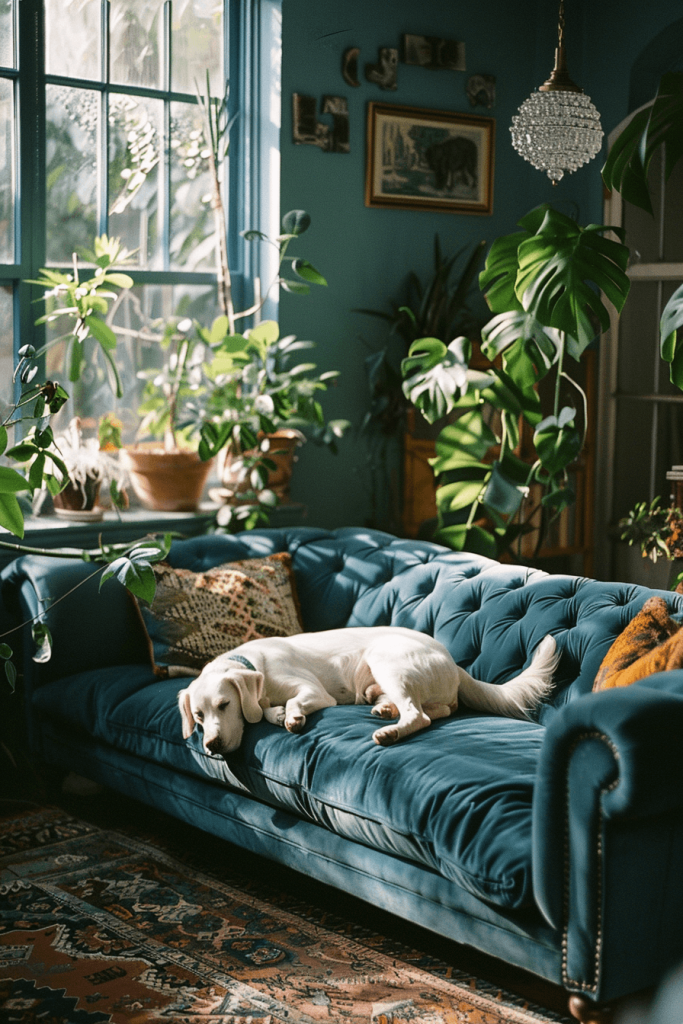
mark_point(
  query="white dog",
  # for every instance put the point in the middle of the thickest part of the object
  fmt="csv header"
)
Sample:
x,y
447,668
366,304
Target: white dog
x,y
405,674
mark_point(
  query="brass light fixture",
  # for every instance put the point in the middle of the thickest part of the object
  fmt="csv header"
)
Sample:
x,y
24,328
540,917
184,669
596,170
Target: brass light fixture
x,y
557,128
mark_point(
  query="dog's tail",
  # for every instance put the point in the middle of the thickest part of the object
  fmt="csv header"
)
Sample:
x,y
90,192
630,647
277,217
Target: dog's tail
x,y
519,697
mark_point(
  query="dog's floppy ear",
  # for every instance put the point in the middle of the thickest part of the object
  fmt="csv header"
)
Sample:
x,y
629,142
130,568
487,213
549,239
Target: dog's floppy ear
x,y
186,713
249,686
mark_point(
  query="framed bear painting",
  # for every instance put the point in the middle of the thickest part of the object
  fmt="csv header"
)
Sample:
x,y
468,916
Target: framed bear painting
x,y
420,159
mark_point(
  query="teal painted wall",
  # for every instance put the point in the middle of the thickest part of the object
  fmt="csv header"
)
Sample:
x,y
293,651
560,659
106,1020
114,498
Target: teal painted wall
x,y
366,254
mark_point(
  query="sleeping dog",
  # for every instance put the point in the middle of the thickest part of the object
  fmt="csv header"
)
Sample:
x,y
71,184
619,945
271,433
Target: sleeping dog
x,y
405,675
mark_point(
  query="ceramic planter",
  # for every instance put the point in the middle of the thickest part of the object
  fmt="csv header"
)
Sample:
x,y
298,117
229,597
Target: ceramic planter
x,y
166,481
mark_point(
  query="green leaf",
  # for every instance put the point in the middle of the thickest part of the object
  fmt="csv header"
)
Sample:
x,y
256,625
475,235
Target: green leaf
x,y
558,442
502,495
252,234
219,330
537,347
295,287
118,280
11,481
671,347
296,222
308,272
3,439
460,494
35,475
497,279
624,171
11,674
11,516
102,332
463,443
435,376
5,651
136,576
559,269
265,334
42,637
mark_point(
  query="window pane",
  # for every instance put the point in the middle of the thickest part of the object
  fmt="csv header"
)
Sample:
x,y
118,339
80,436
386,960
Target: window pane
x,y
135,134
192,235
196,45
638,340
642,230
133,318
73,38
136,34
7,34
71,156
6,172
6,347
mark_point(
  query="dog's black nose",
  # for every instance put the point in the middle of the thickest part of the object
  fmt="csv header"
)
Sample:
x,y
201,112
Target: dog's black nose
x,y
213,746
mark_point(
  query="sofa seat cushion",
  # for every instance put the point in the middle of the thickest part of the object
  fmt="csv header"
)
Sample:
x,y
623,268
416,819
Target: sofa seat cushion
x,y
455,797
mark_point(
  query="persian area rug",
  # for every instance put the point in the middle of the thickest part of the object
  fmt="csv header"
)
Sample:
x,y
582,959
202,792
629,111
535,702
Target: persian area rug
x,y
100,926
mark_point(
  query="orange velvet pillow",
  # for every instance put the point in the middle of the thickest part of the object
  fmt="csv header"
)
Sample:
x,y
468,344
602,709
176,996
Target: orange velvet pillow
x,y
652,642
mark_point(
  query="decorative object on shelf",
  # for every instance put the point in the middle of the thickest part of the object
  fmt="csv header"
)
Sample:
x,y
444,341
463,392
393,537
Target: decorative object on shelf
x,y
419,159
557,128
308,131
433,52
385,72
481,90
350,66
89,468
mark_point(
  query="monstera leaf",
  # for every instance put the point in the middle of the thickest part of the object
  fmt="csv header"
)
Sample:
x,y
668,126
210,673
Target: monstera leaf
x,y
499,276
671,347
529,348
562,268
661,122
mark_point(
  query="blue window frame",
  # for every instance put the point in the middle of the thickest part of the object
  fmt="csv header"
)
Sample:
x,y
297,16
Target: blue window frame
x,y
99,132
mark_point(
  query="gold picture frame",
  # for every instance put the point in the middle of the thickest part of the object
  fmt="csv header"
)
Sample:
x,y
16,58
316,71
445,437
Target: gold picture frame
x,y
422,159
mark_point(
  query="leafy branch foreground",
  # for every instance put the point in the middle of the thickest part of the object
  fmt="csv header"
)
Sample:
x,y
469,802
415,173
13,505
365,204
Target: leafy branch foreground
x,y
129,563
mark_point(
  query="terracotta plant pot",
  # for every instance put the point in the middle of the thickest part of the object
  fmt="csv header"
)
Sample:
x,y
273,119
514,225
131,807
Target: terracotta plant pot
x,y
283,445
76,502
166,481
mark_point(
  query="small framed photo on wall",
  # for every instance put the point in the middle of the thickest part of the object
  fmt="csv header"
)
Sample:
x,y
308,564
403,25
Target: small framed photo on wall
x,y
419,159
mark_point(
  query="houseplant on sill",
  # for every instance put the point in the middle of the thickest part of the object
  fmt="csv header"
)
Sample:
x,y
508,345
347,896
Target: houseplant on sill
x,y
89,469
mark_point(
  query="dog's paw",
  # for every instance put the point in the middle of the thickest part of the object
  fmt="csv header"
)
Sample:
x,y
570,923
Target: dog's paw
x,y
295,723
385,709
276,716
386,737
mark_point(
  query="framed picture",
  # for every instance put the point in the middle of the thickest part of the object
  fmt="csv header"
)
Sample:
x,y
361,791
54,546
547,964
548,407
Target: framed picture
x,y
429,160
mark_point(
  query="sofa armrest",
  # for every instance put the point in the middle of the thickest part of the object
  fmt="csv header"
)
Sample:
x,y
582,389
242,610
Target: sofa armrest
x,y
91,628
607,827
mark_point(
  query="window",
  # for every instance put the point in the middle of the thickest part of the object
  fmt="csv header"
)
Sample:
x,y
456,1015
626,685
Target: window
x,y
100,133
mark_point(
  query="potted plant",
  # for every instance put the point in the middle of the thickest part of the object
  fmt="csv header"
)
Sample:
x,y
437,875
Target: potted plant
x,y
88,469
166,472
258,407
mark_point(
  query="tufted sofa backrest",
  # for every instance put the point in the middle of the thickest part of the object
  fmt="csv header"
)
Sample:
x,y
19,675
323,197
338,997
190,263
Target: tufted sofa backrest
x,y
491,617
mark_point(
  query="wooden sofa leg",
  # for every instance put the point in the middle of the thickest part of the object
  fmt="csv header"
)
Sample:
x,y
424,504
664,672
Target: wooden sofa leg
x,y
588,1012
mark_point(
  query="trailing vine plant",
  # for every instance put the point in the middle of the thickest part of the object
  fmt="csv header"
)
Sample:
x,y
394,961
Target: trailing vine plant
x,y
543,286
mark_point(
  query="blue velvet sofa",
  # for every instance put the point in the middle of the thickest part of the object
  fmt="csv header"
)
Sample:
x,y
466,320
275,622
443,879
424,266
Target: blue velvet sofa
x,y
555,845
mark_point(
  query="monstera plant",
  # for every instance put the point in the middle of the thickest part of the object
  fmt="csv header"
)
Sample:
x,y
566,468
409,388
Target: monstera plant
x,y
543,285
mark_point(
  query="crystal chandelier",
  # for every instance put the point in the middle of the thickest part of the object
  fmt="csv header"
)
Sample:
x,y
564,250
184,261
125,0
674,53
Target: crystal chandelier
x,y
557,128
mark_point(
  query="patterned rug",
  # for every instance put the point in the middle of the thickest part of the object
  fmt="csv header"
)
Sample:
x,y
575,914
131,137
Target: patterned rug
x,y
100,926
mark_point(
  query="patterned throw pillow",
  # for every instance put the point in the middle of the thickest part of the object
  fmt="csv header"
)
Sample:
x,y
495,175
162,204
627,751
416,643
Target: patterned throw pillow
x,y
652,642
195,616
